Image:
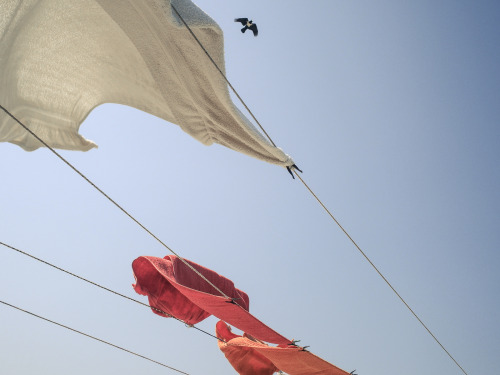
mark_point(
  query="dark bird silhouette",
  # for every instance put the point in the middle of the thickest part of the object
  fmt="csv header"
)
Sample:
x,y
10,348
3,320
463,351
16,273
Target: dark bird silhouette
x,y
248,25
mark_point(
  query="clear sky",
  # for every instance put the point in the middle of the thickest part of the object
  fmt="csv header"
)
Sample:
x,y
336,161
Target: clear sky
x,y
391,109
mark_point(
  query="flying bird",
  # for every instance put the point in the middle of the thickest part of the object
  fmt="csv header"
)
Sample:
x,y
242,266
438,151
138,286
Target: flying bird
x,y
248,25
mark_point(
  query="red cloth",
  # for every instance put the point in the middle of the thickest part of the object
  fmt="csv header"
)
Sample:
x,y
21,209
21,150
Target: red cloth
x,y
173,287
248,357
246,361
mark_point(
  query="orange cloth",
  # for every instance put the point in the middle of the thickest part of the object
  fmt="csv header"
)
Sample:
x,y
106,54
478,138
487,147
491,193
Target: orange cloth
x,y
173,287
290,359
246,361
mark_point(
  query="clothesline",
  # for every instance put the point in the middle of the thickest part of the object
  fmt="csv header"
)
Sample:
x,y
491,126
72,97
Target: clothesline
x,y
92,337
105,288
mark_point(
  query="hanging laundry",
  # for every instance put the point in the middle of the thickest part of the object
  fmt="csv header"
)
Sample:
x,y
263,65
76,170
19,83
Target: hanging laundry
x,y
249,356
173,287
60,59
246,361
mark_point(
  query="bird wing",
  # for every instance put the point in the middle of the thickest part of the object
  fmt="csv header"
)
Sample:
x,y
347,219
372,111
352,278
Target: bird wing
x,y
242,20
253,27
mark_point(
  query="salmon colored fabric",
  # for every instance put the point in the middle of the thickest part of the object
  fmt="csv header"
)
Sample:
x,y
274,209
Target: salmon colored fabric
x,y
161,278
290,359
173,287
246,361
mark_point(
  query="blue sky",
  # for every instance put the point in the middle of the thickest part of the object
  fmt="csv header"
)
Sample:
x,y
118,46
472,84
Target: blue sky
x,y
391,109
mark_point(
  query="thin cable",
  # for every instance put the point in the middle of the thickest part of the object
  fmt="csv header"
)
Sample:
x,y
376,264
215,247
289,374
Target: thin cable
x,y
223,75
112,201
107,289
92,337
376,269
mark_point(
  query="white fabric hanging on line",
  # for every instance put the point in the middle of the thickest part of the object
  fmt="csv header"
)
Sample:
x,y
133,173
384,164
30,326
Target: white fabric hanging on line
x,y
60,59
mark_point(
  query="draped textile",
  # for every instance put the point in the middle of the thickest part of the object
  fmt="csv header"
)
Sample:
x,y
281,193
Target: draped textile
x,y
246,361
173,287
60,59
250,357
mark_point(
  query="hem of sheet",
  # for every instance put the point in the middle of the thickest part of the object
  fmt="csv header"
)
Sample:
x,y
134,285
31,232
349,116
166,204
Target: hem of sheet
x,y
57,131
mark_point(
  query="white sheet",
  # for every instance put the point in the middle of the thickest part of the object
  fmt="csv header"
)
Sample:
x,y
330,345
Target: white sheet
x,y
59,59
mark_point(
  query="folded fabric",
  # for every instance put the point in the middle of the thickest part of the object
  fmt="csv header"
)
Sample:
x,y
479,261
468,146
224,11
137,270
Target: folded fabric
x,y
174,288
60,59
168,282
246,361
248,356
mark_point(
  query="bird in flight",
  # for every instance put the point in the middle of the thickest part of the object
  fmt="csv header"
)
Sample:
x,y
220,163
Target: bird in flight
x,y
248,25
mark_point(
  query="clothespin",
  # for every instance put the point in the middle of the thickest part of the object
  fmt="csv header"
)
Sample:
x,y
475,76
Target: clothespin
x,y
293,166
302,348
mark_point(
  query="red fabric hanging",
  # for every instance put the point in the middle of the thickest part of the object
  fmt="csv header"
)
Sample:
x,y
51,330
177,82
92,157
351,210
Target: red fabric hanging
x,y
165,280
248,357
173,287
293,361
246,361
